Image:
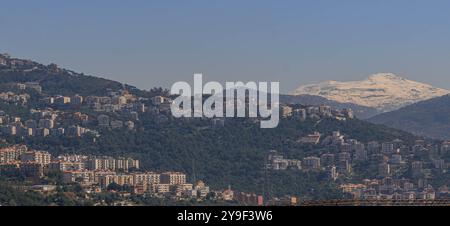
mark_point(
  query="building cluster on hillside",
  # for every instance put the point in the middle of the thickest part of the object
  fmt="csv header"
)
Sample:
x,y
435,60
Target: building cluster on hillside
x,y
28,85
118,109
394,189
44,123
384,161
9,64
14,98
103,174
19,159
315,112
121,103
278,162
106,121
99,173
117,101
53,115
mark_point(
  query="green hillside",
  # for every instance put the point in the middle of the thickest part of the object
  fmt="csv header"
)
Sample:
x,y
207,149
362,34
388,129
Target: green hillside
x,y
233,155
430,118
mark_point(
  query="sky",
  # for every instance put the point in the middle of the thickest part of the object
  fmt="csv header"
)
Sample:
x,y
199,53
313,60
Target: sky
x,y
296,42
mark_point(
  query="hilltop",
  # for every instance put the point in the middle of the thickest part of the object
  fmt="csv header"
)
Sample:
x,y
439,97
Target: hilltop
x,y
55,80
429,118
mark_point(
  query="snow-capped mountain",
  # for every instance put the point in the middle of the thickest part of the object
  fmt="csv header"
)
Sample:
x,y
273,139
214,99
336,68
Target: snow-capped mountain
x,y
383,91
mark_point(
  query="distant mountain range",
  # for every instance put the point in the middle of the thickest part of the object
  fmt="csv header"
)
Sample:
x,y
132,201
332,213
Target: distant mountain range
x,y
430,118
385,92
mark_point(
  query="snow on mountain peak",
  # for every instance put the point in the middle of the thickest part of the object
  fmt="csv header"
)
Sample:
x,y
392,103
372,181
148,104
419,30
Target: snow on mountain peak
x,y
383,91
385,77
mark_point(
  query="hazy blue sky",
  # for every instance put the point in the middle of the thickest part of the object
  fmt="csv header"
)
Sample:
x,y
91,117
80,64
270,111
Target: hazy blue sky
x,y
155,43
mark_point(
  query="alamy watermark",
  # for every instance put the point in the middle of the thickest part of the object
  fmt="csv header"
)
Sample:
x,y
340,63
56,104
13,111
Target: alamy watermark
x,y
237,103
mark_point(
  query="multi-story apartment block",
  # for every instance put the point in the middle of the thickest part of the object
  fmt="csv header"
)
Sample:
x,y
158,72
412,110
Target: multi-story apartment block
x,y
67,166
133,163
387,148
123,179
41,157
101,163
122,164
173,178
82,176
99,174
139,178
11,154
311,163
160,188
120,179
153,178
72,158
